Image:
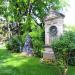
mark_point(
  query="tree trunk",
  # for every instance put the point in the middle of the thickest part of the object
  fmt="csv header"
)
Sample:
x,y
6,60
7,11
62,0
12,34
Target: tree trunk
x,y
65,71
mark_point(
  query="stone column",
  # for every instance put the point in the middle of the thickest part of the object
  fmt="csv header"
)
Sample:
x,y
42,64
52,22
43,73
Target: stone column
x,y
47,41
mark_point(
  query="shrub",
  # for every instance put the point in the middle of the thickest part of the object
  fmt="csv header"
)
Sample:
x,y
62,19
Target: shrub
x,y
37,41
72,57
65,46
14,44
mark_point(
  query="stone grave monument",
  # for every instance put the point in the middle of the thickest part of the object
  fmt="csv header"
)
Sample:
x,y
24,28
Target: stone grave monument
x,y
54,24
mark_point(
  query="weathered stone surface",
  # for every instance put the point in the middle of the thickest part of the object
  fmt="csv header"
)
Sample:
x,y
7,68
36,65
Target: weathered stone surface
x,y
48,54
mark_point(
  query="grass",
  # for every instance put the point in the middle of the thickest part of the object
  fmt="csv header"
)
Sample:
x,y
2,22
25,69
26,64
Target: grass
x,y
15,64
71,70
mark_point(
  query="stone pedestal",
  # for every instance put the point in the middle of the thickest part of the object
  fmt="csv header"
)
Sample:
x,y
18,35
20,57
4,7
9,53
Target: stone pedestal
x,y
48,54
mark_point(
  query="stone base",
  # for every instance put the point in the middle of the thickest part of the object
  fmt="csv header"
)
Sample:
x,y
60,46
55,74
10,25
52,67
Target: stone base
x,y
48,54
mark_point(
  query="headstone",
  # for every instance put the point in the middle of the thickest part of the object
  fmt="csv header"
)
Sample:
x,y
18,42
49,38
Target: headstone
x,y
27,49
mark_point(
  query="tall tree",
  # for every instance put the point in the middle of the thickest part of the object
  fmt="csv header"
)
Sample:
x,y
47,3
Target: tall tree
x,y
19,10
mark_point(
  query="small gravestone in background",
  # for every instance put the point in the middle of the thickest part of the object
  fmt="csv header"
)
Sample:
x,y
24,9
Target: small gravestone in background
x,y
27,49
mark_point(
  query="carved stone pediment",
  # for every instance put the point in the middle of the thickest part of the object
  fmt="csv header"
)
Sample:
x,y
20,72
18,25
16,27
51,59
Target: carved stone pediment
x,y
53,14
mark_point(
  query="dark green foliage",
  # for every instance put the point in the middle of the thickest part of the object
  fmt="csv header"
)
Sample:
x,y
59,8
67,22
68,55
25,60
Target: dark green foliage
x,y
14,44
72,57
65,47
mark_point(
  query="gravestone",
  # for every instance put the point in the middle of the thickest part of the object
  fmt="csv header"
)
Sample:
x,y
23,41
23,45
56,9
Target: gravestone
x,y
54,24
27,49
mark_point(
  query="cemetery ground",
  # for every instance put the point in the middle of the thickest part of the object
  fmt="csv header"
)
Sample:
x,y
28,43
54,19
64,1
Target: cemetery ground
x,y
16,64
